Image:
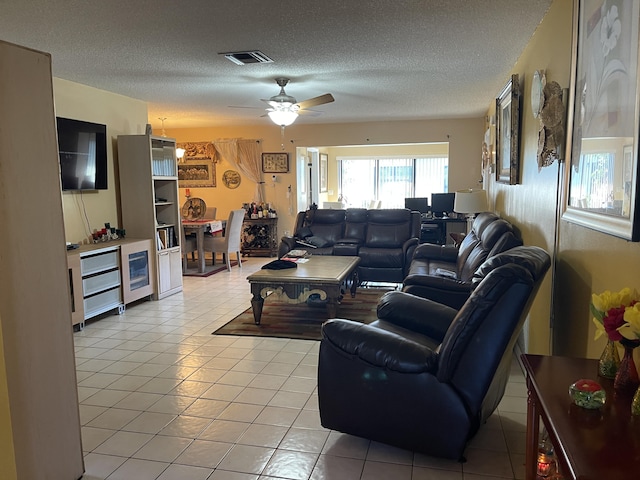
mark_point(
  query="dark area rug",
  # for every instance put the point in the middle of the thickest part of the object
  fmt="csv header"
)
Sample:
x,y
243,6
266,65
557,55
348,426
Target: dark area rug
x,y
192,268
302,320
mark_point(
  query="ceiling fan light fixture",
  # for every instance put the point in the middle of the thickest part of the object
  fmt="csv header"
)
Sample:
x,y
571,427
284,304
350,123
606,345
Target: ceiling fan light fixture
x,y
283,118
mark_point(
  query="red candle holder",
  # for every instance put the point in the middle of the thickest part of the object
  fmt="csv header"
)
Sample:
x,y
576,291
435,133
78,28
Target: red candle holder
x,y
545,464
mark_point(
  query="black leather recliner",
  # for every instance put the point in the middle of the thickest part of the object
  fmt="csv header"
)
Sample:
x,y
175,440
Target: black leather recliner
x,y
444,273
395,383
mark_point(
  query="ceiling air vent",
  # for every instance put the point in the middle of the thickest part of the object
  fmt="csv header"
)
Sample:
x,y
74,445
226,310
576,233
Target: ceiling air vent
x,y
243,58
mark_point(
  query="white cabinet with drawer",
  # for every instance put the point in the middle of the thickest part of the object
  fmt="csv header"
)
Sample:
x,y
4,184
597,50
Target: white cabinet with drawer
x,y
104,277
101,280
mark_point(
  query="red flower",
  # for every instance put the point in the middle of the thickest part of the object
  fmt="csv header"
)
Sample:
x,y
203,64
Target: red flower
x,y
613,320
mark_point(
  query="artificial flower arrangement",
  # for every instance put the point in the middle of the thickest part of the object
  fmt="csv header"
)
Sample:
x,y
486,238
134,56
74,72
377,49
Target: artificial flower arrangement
x,y
617,314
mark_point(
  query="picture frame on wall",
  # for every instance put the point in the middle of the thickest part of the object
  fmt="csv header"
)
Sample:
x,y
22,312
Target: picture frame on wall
x,y
601,177
324,172
197,173
275,162
508,132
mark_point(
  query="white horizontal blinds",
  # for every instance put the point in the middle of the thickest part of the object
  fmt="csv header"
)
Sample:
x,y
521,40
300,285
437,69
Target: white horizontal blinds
x,y
591,182
391,180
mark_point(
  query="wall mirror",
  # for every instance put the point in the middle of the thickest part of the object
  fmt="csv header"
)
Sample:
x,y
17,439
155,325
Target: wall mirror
x,y
602,168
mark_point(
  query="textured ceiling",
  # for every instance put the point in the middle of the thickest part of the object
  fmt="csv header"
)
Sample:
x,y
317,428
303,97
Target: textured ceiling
x,y
381,60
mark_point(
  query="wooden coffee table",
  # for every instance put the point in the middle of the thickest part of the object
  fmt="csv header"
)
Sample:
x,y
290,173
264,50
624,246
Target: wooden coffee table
x,y
324,275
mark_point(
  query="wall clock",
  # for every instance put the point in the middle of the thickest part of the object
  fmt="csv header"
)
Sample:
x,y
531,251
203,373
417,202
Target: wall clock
x,y
231,179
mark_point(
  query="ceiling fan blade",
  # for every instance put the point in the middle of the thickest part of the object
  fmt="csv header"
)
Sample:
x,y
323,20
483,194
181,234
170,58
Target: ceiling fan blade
x,y
312,102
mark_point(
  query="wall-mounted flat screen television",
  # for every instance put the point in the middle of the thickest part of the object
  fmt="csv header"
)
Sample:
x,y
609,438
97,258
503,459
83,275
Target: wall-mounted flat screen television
x,y
418,204
82,149
442,203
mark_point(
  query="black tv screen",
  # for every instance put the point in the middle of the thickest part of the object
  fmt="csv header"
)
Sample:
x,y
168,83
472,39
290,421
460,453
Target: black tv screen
x,y
442,203
419,204
82,149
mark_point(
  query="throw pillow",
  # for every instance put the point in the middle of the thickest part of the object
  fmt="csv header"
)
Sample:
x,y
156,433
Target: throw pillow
x,y
304,232
318,241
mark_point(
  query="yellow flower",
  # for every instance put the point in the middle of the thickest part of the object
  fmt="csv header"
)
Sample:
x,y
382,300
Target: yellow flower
x,y
608,300
599,328
602,304
631,328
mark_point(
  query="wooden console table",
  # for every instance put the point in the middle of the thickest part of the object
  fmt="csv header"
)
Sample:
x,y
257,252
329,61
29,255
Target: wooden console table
x,y
589,444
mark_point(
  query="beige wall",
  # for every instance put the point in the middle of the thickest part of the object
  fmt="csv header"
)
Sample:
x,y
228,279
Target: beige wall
x,y
587,261
122,115
531,205
463,135
7,452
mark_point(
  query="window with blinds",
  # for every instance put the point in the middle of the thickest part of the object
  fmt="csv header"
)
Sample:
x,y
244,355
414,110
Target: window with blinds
x,y
391,180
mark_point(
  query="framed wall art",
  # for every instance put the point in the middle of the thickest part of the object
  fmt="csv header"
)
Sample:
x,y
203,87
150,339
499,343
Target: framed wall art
x,y
275,162
324,172
197,173
508,133
602,173
197,150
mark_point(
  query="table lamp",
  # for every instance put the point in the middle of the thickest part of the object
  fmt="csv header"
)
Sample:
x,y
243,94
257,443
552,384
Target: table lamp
x,y
470,202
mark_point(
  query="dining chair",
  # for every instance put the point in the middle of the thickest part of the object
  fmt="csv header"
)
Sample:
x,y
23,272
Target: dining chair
x,y
210,213
230,242
188,244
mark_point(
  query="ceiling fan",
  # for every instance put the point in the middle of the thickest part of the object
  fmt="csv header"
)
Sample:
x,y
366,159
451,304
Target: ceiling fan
x,y
284,109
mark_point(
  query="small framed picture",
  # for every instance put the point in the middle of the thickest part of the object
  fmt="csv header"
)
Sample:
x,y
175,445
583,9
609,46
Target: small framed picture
x,y
324,172
275,162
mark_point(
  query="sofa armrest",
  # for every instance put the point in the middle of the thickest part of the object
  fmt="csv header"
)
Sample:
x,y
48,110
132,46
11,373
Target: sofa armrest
x,y
446,253
417,314
409,247
286,245
378,347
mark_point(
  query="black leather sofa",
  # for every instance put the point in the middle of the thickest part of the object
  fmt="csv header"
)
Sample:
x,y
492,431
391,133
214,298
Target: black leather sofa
x,y
444,273
384,239
399,384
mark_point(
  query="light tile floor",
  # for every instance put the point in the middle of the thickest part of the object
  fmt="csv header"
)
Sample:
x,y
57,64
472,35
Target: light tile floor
x,y
162,398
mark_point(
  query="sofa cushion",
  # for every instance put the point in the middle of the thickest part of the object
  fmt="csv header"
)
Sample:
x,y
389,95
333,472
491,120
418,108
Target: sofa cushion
x,y
388,228
381,258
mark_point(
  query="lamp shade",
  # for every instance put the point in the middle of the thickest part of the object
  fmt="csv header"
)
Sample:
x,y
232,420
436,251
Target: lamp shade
x,y
470,201
284,118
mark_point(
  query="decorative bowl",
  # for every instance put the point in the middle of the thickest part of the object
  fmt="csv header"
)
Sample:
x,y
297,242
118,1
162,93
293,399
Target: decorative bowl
x,y
587,393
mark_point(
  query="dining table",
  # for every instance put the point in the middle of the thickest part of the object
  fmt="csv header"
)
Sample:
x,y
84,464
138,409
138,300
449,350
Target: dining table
x,y
200,228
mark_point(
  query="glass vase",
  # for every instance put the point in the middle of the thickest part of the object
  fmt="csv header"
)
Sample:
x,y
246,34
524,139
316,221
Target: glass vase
x,y
635,403
609,361
627,376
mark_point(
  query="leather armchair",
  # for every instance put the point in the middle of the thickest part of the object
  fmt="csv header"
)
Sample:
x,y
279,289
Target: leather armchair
x,y
393,383
443,273
391,238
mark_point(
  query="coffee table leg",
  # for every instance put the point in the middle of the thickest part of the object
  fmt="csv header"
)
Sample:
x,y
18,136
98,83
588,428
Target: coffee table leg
x,y
256,305
332,307
354,283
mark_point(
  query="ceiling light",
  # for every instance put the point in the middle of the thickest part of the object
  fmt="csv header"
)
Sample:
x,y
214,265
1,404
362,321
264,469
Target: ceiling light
x,y
282,116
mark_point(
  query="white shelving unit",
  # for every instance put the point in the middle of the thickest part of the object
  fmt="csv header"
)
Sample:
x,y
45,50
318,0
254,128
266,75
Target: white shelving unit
x,y
149,200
